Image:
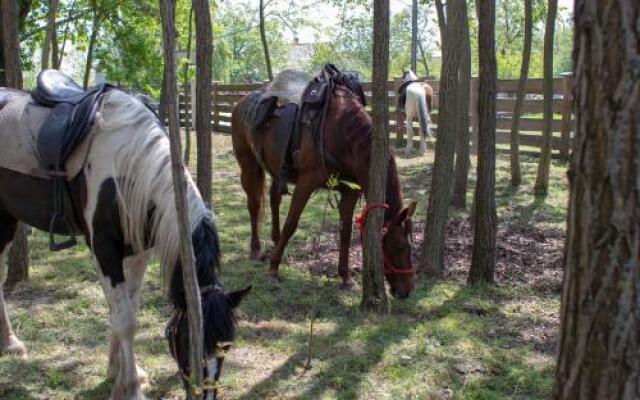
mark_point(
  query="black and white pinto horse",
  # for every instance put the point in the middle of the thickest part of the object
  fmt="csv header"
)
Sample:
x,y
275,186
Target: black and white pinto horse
x,y
416,99
124,199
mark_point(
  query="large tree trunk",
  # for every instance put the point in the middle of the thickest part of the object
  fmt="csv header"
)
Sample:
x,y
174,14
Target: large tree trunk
x,y
204,50
459,196
18,253
542,179
265,44
192,292
414,35
187,90
484,239
599,350
432,260
374,296
92,43
516,173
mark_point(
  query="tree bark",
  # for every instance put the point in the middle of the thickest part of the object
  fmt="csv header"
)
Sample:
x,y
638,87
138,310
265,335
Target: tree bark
x,y
204,51
459,196
18,258
187,90
542,179
414,35
92,43
265,44
374,296
432,260
484,240
192,292
599,349
516,173
48,45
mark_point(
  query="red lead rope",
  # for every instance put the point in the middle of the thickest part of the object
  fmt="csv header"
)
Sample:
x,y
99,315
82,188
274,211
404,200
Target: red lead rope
x,y
360,223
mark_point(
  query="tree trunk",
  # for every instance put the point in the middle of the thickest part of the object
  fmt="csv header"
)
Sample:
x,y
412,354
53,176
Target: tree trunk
x,y
442,22
599,349
484,240
204,50
459,197
542,179
265,45
192,292
18,259
374,296
48,45
516,173
432,260
187,90
92,43
414,35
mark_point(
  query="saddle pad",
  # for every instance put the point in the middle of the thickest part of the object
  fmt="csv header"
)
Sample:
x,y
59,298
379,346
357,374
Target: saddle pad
x,y
20,122
288,86
283,131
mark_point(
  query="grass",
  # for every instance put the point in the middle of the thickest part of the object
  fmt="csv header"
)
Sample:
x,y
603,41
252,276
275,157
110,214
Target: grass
x,y
447,341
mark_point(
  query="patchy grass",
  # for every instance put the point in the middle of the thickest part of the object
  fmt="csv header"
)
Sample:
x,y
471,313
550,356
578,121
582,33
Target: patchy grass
x,y
447,341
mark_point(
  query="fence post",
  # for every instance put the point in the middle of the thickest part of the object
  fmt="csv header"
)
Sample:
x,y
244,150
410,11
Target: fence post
x,y
567,107
399,119
216,109
192,102
473,114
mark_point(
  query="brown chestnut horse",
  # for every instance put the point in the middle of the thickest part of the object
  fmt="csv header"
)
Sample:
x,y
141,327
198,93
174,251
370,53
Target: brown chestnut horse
x,y
347,138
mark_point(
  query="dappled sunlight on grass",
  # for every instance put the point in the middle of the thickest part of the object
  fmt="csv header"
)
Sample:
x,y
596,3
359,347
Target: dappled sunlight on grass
x,y
447,341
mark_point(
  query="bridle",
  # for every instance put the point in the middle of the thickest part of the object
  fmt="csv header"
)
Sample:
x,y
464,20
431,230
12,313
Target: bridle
x,y
361,220
171,333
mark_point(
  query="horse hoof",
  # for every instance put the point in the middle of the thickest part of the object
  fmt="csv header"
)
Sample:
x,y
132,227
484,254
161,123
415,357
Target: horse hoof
x,y
15,347
143,377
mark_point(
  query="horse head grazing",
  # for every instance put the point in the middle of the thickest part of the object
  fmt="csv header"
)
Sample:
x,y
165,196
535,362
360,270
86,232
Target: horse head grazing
x,y
396,247
218,316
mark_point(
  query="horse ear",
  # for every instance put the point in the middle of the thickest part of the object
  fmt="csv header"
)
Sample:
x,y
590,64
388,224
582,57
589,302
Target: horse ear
x,y
234,298
406,213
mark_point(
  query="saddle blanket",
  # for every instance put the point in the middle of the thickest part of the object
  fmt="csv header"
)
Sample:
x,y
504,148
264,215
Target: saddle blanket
x,y
20,122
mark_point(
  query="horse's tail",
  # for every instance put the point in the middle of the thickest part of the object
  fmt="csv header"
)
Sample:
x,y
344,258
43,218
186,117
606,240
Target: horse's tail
x,y
424,116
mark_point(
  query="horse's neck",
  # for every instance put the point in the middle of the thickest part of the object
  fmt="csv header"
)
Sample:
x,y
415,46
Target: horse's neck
x,y
393,193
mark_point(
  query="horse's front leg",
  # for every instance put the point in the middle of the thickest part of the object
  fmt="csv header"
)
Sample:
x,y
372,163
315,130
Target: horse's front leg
x,y
409,127
301,195
9,342
348,202
274,200
122,307
134,269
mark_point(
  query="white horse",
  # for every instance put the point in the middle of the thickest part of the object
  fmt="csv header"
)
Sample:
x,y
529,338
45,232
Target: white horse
x,y
415,98
123,198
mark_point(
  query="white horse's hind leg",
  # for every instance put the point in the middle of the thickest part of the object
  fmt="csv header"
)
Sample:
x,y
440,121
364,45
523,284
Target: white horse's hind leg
x,y
409,126
134,270
9,343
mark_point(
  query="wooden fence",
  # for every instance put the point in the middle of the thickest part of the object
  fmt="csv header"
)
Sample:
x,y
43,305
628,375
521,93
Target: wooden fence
x,y
531,125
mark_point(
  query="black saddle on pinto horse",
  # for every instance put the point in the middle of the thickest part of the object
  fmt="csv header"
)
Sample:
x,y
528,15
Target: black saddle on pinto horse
x,y
67,126
296,101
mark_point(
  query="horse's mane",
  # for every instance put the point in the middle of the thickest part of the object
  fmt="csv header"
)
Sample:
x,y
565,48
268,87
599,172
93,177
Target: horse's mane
x,y
142,164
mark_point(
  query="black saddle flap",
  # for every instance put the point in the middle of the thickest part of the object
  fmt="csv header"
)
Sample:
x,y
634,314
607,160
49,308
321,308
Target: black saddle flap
x,y
260,109
54,87
315,94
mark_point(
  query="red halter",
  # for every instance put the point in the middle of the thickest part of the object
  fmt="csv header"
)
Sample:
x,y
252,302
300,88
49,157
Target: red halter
x,y
360,223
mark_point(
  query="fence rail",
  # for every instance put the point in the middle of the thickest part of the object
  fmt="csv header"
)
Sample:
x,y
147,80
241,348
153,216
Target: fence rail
x,y
224,98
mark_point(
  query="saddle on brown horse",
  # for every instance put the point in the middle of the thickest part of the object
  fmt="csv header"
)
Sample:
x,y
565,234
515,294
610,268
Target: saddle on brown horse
x,y
297,102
